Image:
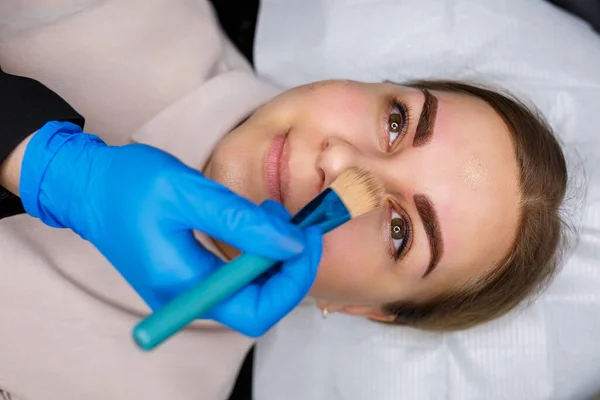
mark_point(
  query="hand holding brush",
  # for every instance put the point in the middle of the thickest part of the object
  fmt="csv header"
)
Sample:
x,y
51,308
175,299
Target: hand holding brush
x,y
354,193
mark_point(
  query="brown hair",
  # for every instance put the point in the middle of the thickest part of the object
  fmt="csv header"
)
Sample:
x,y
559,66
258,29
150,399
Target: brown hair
x,y
532,261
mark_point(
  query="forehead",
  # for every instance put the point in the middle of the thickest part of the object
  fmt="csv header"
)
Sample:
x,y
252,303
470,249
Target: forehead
x,y
478,207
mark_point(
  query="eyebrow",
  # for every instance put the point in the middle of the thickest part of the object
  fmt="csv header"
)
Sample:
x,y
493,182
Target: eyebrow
x,y
424,130
424,206
432,230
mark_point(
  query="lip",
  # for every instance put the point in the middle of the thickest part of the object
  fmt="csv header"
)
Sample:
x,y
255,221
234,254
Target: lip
x,y
276,168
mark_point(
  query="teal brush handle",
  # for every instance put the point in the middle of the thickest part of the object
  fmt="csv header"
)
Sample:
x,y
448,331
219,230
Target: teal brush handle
x,y
326,211
200,299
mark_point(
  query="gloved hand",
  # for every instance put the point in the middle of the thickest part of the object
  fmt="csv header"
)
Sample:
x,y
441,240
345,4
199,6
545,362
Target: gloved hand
x,y
138,206
271,297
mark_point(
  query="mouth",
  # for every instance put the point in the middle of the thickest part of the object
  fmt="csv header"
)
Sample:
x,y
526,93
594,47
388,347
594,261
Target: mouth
x,y
277,168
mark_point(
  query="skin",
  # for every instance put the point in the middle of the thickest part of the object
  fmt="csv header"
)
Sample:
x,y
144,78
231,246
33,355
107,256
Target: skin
x,y
10,168
467,169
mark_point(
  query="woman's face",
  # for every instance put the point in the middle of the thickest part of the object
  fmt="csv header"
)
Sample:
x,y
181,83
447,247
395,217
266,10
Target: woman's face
x,y
447,164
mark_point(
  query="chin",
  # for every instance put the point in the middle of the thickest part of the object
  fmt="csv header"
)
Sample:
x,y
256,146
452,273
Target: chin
x,y
233,169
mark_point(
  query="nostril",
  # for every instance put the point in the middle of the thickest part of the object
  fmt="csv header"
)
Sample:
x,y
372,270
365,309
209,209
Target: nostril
x,y
321,178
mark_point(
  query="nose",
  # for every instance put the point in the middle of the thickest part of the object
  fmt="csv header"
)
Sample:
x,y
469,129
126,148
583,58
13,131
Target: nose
x,y
336,156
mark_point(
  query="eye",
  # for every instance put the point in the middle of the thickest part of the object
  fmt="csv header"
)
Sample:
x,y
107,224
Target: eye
x,y
399,233
397,122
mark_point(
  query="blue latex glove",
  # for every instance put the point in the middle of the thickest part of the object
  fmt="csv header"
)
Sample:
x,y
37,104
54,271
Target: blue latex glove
x,y
263,303
138,206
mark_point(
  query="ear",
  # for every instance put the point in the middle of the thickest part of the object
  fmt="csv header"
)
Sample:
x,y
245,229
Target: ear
x,y
331,307
372,312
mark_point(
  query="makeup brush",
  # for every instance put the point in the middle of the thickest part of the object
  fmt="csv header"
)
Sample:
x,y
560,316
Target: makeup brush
x,y
353,193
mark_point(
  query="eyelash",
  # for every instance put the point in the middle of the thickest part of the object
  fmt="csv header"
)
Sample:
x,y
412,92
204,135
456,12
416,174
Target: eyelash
x,y
398,247
404,113
399,250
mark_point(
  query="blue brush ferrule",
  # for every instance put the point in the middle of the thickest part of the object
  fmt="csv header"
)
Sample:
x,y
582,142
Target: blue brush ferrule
x,y
327,211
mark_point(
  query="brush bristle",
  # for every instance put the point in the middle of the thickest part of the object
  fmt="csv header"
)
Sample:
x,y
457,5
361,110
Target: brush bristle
x,y
359,189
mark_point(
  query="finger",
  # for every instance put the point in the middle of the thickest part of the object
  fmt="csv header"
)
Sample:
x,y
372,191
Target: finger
x,y
223,215
256,308
276,209
288,287
238,311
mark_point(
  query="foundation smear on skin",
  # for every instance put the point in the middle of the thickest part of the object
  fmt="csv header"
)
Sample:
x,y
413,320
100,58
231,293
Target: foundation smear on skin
x,y
473,172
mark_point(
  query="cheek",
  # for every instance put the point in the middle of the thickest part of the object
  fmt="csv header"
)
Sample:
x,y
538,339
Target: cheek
x,y
342,268
351,268
347,111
